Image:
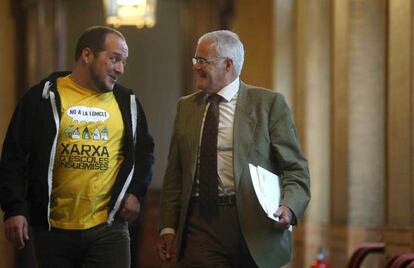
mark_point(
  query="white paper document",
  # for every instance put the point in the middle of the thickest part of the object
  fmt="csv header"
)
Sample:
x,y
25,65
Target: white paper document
x,y
267,188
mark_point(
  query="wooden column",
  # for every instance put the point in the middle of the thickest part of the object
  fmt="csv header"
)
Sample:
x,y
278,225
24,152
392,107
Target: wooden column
x,y
312,96
339,195
300,48
400,193
283,33
339,107
253,22
197,18
7,102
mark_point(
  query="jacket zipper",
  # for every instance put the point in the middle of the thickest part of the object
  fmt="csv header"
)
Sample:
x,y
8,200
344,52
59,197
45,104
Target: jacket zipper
x,y
47,94
134,116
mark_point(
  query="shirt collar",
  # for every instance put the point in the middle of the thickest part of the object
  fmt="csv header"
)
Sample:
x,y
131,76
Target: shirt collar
x,y
229,91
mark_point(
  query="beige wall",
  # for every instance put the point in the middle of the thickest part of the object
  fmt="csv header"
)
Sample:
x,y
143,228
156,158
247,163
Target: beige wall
x,y
7,100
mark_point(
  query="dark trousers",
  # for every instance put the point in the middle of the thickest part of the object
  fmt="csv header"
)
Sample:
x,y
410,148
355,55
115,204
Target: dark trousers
x,y
101,246
218,243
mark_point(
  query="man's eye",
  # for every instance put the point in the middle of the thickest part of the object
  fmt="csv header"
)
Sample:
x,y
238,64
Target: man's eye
x,y
117,59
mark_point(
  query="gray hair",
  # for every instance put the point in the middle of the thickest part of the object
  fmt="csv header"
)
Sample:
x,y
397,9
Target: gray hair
x,y
228,45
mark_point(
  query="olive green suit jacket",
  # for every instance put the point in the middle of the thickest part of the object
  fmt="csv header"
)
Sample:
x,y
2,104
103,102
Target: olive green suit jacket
x,y
264,135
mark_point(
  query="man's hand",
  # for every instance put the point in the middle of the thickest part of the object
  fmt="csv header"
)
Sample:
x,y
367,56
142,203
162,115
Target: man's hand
x,y
166,248
16,230
130,208
285,217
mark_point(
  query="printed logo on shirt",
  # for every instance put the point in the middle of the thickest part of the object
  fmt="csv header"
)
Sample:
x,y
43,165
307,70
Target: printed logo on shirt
x,y
83,156
88,115
88,124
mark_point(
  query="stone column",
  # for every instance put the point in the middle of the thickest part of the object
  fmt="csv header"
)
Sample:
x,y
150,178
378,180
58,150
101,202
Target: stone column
x,y
367,70
313,96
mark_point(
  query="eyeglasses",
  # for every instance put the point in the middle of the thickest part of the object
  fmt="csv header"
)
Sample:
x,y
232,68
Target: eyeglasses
x,y
202,61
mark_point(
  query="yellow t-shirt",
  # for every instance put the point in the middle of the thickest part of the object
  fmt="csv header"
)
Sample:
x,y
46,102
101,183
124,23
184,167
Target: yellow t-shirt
x,y
88,156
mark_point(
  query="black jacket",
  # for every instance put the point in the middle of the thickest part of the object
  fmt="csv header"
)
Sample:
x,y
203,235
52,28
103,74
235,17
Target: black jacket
x,y
26,165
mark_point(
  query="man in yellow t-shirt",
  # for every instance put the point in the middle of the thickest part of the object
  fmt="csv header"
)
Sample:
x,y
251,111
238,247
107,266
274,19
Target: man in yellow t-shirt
x,y
77,160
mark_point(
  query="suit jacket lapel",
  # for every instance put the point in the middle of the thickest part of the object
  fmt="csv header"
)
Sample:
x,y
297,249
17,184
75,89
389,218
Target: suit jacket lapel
x,y
244,128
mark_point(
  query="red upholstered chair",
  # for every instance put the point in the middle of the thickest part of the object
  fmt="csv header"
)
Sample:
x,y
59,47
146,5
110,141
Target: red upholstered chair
x,y
362,251
390,261
403,261
411,265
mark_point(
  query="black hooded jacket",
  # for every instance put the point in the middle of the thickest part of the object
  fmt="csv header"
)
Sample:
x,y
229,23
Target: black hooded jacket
x,y
26,165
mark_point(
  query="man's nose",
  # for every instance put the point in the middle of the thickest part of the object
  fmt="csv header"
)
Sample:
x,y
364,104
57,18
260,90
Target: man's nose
x,y
196,66
119,67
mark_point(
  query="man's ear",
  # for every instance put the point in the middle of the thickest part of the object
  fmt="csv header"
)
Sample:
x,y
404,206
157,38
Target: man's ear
x,y
229,64
87,55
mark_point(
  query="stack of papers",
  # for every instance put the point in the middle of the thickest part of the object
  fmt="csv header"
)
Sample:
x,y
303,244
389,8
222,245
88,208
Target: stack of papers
x,y
267,188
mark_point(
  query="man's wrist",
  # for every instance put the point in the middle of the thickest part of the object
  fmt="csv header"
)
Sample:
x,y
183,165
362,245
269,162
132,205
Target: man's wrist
x,y
294,219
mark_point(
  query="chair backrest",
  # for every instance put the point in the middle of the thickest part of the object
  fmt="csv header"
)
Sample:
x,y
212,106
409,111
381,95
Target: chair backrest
x,y
403,261
362,251
390,261
411,265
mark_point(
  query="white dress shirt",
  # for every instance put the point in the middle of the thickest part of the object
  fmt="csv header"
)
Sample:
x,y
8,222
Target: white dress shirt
x,y
227,109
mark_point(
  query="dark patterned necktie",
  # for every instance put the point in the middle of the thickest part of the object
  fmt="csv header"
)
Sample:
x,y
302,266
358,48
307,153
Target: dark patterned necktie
x,y
208,179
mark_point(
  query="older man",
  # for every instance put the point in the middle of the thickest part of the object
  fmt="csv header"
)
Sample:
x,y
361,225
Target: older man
x,y
209,209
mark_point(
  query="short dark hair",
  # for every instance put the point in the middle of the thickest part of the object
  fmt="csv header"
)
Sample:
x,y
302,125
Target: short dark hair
x,y
94,38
